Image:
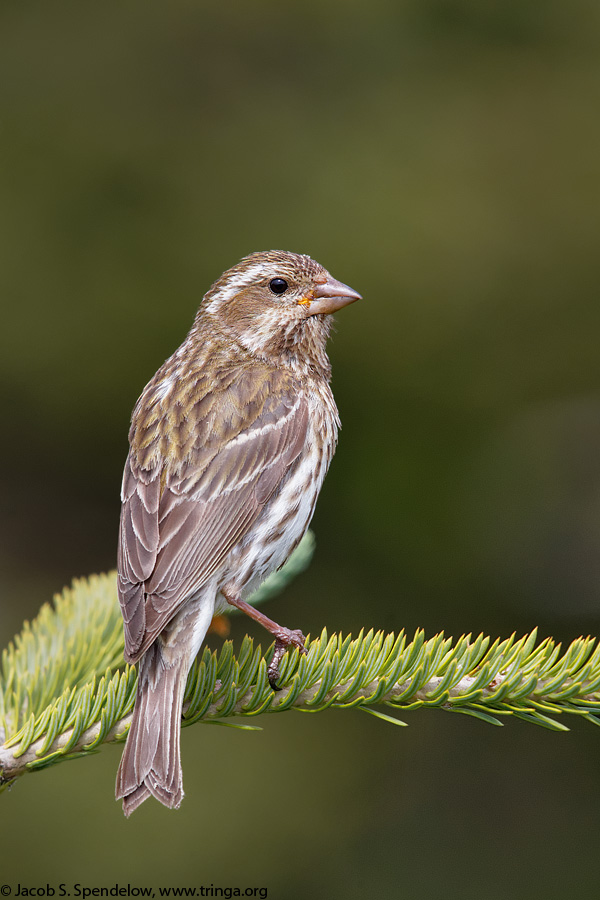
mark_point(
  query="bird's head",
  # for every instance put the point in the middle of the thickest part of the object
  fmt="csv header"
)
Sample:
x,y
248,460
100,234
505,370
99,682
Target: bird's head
x,y
275,304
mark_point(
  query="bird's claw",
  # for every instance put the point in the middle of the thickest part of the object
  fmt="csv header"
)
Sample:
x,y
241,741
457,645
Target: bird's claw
x,y
285,638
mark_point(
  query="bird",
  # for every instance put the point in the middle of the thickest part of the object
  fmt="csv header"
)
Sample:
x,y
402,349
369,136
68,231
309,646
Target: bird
x,y
228,447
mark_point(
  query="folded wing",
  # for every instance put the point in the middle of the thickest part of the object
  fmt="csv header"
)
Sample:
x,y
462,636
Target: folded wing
x,y
181,517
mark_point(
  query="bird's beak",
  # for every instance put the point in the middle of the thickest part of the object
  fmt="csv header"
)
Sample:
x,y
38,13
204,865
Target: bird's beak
x,y
329,296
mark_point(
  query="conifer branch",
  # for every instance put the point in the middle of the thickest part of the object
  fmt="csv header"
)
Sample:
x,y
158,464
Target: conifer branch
x,y
64,690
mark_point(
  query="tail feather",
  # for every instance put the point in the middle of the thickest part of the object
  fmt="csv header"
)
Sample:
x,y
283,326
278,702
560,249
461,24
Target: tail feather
x,y
151,764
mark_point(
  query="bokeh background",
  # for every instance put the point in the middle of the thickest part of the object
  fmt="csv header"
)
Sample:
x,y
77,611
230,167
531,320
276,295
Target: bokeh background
x,y
442,157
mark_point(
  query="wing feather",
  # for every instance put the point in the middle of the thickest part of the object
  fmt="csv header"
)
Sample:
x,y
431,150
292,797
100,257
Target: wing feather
x,y
179,522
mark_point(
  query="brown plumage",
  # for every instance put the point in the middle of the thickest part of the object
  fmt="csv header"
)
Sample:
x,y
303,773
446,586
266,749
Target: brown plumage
x,y
229,445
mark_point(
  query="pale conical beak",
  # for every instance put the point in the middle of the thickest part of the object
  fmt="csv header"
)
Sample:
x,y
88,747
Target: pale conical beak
x,y
329,296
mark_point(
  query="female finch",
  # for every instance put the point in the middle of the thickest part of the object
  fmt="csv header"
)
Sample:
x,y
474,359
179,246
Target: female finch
x,y
229,445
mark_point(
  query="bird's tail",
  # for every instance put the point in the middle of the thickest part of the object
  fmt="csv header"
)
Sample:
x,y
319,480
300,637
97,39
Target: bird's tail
x,y
151,763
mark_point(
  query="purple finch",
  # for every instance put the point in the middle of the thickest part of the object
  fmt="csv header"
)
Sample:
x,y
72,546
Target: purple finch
x,y
229,445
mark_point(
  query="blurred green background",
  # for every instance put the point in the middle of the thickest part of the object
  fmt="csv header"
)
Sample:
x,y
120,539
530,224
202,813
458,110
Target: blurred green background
x,y
442,157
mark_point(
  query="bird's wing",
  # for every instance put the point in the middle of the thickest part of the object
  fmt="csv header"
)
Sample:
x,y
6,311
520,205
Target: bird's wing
x,y
179,522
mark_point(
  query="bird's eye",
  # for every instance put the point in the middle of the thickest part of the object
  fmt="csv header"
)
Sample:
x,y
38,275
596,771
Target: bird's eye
x,y
278,285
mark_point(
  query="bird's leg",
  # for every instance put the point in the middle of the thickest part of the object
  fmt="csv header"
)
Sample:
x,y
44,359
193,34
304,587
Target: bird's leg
x,y
284,637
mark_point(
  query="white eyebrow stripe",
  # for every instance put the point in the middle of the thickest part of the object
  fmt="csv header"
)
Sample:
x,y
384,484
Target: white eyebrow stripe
x,y
235,284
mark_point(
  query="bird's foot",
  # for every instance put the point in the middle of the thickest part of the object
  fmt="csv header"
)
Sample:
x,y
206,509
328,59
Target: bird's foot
x,y
284,638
